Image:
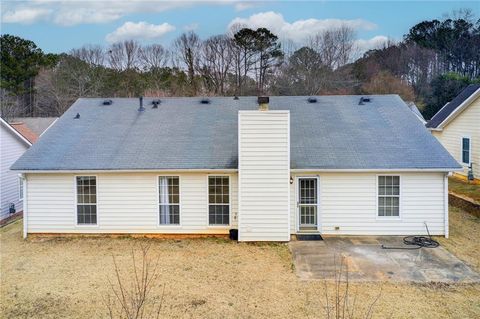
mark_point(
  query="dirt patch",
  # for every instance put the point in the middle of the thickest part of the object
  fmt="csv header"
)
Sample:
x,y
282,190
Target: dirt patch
x,y
464,203
204,278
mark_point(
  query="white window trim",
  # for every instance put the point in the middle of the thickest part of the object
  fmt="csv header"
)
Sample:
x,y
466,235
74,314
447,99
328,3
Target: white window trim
x,y
229,202
76,202
21,188
169,226
387,218
469,150
297,208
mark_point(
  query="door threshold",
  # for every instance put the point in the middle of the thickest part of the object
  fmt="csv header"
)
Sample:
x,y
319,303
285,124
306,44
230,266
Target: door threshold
x,y
308,231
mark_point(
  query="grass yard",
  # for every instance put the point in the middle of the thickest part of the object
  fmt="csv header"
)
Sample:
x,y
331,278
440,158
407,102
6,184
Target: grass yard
x,y
67,278
462,187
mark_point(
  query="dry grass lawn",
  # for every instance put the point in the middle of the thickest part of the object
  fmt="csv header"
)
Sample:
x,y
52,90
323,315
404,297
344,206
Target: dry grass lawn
x,y
465,188
66,278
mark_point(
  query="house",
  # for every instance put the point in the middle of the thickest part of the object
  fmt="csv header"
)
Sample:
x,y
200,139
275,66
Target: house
x,y
271,168
457,127
12,145
37,125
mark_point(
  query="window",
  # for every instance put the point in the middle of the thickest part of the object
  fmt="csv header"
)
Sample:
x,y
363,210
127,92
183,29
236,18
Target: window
x,y
20,188
169,200
218,200
388,196
86,200
465,150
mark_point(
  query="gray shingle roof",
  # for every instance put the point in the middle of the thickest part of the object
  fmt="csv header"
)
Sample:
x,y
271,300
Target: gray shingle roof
x,y
451,106
334,133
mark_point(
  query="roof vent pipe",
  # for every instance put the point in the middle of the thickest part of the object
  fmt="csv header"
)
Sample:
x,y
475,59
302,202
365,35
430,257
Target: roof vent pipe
x,y
263,103
141,108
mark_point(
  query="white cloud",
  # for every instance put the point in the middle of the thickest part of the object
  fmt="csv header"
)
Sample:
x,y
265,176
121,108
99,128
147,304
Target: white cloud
x,y
241,6
298,31
25,15
139,31
376,42
191,27
72,12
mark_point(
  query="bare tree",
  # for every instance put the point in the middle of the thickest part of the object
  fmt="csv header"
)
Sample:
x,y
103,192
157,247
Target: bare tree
x,y
335,45
92,54
10,105
188,47
132,298
124,55
57,88
342,304
216,62
154,56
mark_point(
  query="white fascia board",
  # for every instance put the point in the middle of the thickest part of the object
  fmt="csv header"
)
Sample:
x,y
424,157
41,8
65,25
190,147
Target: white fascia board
x,y
459,109
347,170
83,171
15,132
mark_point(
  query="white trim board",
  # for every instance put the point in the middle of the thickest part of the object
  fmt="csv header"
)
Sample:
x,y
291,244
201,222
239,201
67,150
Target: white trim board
x,y
15,132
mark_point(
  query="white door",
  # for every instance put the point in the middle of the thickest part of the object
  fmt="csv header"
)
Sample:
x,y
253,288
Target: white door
x,y
307,203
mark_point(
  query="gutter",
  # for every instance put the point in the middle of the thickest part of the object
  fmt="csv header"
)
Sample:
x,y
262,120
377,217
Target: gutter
x,y
234,170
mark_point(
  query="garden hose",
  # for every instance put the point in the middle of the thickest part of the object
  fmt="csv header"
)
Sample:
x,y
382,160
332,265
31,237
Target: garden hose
x,y
417,242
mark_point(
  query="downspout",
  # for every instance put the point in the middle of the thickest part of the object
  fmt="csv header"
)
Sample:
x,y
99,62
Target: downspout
x,y
445,202
25,205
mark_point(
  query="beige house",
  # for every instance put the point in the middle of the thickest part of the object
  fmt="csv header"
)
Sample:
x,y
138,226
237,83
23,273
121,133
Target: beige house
x,y
270,168
457,127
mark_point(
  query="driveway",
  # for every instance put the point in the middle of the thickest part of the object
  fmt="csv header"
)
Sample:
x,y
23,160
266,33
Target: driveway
x,y
367,261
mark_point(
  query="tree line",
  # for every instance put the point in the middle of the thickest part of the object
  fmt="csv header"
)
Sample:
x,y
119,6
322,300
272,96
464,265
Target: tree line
x,y
435,60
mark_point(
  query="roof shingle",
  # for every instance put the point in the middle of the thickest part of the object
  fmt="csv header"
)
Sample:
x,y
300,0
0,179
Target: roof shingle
x,y
334,133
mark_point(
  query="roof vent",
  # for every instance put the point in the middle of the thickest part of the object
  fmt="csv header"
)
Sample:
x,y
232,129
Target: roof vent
x,y
107,102
363,100
141,108
205,101
156,103
235,97
77,116
312,100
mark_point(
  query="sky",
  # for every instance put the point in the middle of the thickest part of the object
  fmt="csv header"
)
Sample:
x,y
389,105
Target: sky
x,y
58,26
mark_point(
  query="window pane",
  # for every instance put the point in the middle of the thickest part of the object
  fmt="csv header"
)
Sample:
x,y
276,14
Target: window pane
x,y
169,200
389,196
169,189
86,214
219,214
169,214
86,199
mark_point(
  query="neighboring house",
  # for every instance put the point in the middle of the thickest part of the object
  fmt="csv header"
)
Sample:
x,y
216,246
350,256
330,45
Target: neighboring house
x,y
457,127
346,165
37,125
12,145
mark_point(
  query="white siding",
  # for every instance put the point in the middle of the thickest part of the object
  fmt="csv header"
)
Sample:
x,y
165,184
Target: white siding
x,y
11,148
264,162
127,203
348,200
466,124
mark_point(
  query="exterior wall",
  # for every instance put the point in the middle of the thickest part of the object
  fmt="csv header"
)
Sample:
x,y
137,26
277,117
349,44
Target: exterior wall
x,y
126,203
349,201
264,172
11,148
466,124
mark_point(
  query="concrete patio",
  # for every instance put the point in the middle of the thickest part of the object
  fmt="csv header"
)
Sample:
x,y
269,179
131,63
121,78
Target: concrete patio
x,y
367,261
